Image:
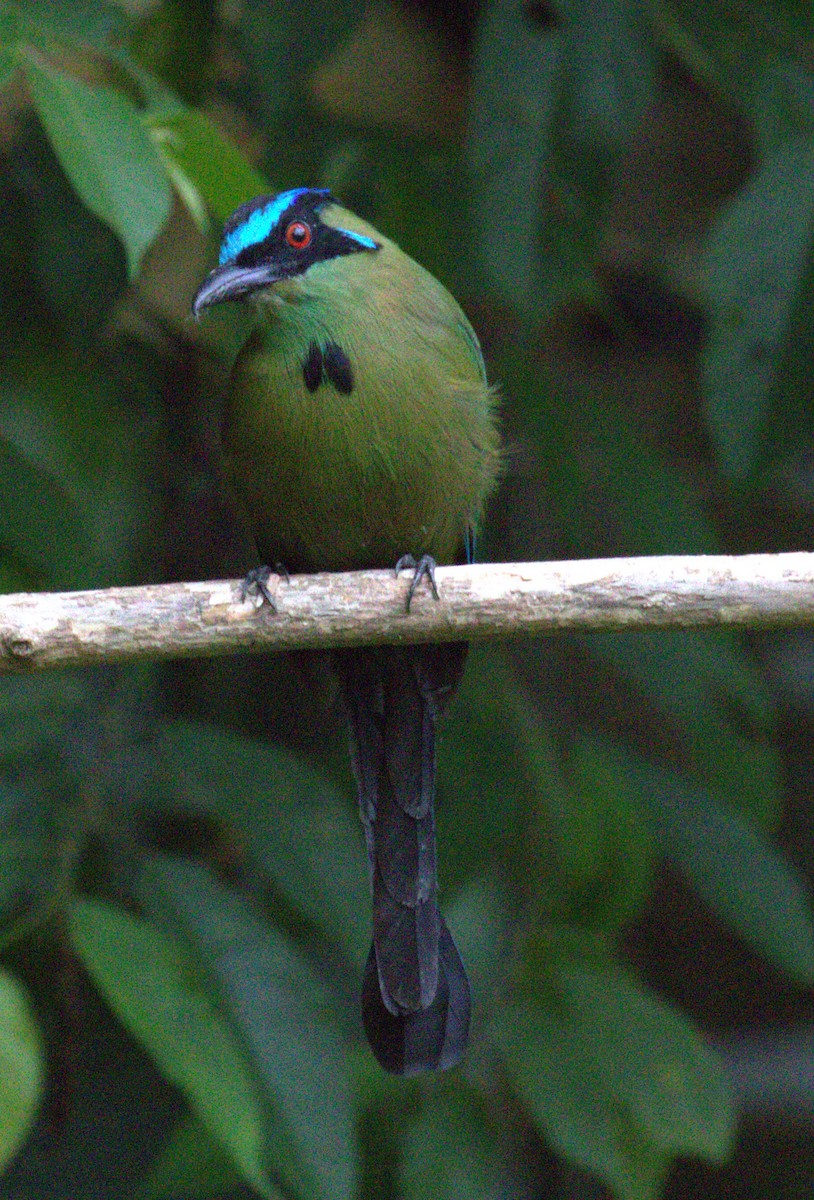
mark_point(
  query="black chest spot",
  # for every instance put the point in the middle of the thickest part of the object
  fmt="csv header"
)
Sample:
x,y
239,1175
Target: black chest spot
x,y
312,367
327,362
337,367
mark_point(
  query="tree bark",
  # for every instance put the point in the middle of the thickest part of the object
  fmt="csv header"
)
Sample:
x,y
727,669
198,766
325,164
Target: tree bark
x,y
50,629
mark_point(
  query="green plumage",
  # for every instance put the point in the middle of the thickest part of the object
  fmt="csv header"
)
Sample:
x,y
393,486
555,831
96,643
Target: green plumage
x,y
405,462
360,428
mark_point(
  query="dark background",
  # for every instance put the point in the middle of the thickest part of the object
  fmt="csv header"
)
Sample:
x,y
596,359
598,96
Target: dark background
x,y
620,195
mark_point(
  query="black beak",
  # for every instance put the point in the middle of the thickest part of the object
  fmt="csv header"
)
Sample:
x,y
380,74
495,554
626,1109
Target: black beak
x,y
232,283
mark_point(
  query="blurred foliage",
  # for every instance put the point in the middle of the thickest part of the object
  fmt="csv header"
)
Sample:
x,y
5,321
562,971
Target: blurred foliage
x,y
621,194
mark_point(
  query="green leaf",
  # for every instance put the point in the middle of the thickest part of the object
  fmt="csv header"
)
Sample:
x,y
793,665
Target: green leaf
x,y
481,918
22,1067
8,65
32,841
189,1164
655,507
21,850
39,708
88,22
617,1080
509,146
200,158
41,824
611,62
739,874
499,768
782,105
556,1075
754,262
282,43
75,267
79,478
302,833
546,136
719,701
611,846
161,995
106,152
497,764
726,44
501,776
9,30
450,1152
612,493
609,490
605,82
654,1061
789,428
277,1005
40,526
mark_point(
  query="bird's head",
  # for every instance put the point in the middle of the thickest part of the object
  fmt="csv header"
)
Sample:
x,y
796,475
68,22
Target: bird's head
x,y
273,238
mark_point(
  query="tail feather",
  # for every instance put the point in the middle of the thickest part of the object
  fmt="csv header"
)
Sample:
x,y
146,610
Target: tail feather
x,y
403,851
406,918
393,696
432,1039
409,735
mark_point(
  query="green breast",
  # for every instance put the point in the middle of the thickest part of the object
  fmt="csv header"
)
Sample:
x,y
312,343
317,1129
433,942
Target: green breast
x,y
360,426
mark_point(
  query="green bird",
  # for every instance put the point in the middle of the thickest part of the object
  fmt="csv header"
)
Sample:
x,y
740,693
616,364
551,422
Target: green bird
x,y
360,432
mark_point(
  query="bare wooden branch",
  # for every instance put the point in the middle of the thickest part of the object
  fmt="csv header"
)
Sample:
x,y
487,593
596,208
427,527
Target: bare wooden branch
x,y
49,629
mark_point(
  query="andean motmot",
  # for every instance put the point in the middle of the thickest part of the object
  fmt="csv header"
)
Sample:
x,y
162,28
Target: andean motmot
x,y
360,432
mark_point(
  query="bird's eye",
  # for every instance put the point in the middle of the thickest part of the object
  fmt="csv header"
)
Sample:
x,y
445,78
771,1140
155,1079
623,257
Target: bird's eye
x,y
298,235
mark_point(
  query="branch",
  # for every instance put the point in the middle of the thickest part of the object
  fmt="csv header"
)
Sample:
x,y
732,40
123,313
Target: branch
x,y
49,629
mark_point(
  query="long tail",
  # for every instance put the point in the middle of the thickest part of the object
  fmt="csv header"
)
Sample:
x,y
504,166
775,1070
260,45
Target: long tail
x,y
415,995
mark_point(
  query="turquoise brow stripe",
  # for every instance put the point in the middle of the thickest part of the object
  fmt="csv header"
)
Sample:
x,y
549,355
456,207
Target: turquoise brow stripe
x,y
257,226
367,242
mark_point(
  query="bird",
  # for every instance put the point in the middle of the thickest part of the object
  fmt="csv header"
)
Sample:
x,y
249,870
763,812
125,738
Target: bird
x,y
359,431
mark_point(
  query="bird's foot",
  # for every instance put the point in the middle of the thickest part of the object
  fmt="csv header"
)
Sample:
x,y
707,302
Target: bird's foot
x,y
422,568
256,583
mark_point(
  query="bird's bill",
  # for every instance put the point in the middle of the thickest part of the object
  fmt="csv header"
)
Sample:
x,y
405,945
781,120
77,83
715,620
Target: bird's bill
x,y
232,283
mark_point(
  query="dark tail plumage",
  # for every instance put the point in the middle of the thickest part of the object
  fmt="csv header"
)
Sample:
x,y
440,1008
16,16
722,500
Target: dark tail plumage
x,y
415,995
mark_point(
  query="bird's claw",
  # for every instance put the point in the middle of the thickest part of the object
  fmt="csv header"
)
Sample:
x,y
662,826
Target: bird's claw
x,y
422,568
256,583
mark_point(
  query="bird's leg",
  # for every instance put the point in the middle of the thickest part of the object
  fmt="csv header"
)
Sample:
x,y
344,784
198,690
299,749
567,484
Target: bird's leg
x,y
256,583
422,568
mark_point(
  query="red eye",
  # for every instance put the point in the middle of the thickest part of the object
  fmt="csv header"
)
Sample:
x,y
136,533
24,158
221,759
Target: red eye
x,y
298,235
